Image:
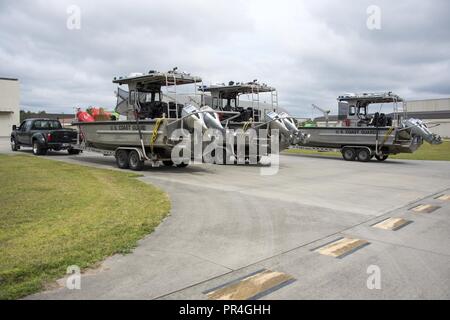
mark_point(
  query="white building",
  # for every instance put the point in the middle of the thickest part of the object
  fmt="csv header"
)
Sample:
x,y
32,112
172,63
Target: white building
x,y
9,105
432,111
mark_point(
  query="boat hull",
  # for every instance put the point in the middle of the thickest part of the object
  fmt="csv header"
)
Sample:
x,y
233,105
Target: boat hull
x,y
111,135
338,137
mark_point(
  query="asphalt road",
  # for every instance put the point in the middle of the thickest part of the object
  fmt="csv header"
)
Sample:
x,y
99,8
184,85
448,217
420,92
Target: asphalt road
x,y
230,221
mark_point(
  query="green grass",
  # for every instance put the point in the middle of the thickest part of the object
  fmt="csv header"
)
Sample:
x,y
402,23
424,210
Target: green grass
x,y
428,152
54,215
425,152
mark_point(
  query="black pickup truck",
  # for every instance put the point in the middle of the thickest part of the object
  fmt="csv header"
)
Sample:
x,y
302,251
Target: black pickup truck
x,y
42,135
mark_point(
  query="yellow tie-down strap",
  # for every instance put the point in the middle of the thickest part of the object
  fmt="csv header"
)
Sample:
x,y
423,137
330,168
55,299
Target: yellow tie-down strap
x,y
155,132
387,134
247,125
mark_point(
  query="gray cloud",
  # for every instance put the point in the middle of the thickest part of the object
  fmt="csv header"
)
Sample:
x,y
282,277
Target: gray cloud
x,y
312,51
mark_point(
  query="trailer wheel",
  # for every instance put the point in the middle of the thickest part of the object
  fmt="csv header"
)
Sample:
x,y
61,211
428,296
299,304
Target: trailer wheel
x,y
122,159
349,154
381,158
134,161
364,155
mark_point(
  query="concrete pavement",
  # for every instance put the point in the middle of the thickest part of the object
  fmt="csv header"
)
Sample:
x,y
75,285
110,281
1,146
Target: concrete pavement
x,y
229,221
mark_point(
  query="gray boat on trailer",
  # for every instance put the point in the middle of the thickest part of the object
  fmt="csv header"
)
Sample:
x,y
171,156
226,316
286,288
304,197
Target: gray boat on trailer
x,y
255,115
360,135
146,134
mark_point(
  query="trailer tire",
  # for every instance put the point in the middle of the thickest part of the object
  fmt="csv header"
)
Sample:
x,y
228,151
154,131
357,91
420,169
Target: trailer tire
x,y
134,161
122,159
364,155
349,154
381,158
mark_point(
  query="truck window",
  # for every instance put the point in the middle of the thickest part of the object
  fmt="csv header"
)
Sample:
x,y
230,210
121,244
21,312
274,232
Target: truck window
x,y
28,125
22,126
46,125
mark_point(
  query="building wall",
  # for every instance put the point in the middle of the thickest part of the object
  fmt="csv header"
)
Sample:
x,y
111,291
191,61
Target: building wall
x,y
9,105
433,105
428,105
443,129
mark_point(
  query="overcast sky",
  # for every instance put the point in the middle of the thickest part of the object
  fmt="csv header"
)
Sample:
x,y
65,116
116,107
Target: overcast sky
x,y
311,51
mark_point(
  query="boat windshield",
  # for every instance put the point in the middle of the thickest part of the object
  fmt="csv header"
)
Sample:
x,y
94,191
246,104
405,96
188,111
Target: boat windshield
x,y
149,97
145,96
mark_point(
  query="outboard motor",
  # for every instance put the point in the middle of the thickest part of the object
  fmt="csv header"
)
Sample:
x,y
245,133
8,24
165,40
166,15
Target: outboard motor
x,y
212,121
192,118
297,136
419,128
277,123
288,122
211,118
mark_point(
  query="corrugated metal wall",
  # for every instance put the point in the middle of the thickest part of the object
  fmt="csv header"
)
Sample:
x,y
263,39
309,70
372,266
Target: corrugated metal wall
x,y
428,105
432,105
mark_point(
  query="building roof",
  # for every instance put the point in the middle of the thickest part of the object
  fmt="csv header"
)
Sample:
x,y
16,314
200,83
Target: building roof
x,y
9,79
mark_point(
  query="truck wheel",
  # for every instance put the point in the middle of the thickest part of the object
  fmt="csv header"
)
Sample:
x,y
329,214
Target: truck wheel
x,y
73,151
38,150
14,146
349,154
168,163
364,155
135,161
381,158
122,159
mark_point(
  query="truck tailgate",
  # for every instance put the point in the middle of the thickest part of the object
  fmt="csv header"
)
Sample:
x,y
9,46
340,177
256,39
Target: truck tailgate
x,y
63,136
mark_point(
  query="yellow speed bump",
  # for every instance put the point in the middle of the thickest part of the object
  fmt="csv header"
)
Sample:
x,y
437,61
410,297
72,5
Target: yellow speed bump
x,y
252,286
392,224
425,208
444,197
341,247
